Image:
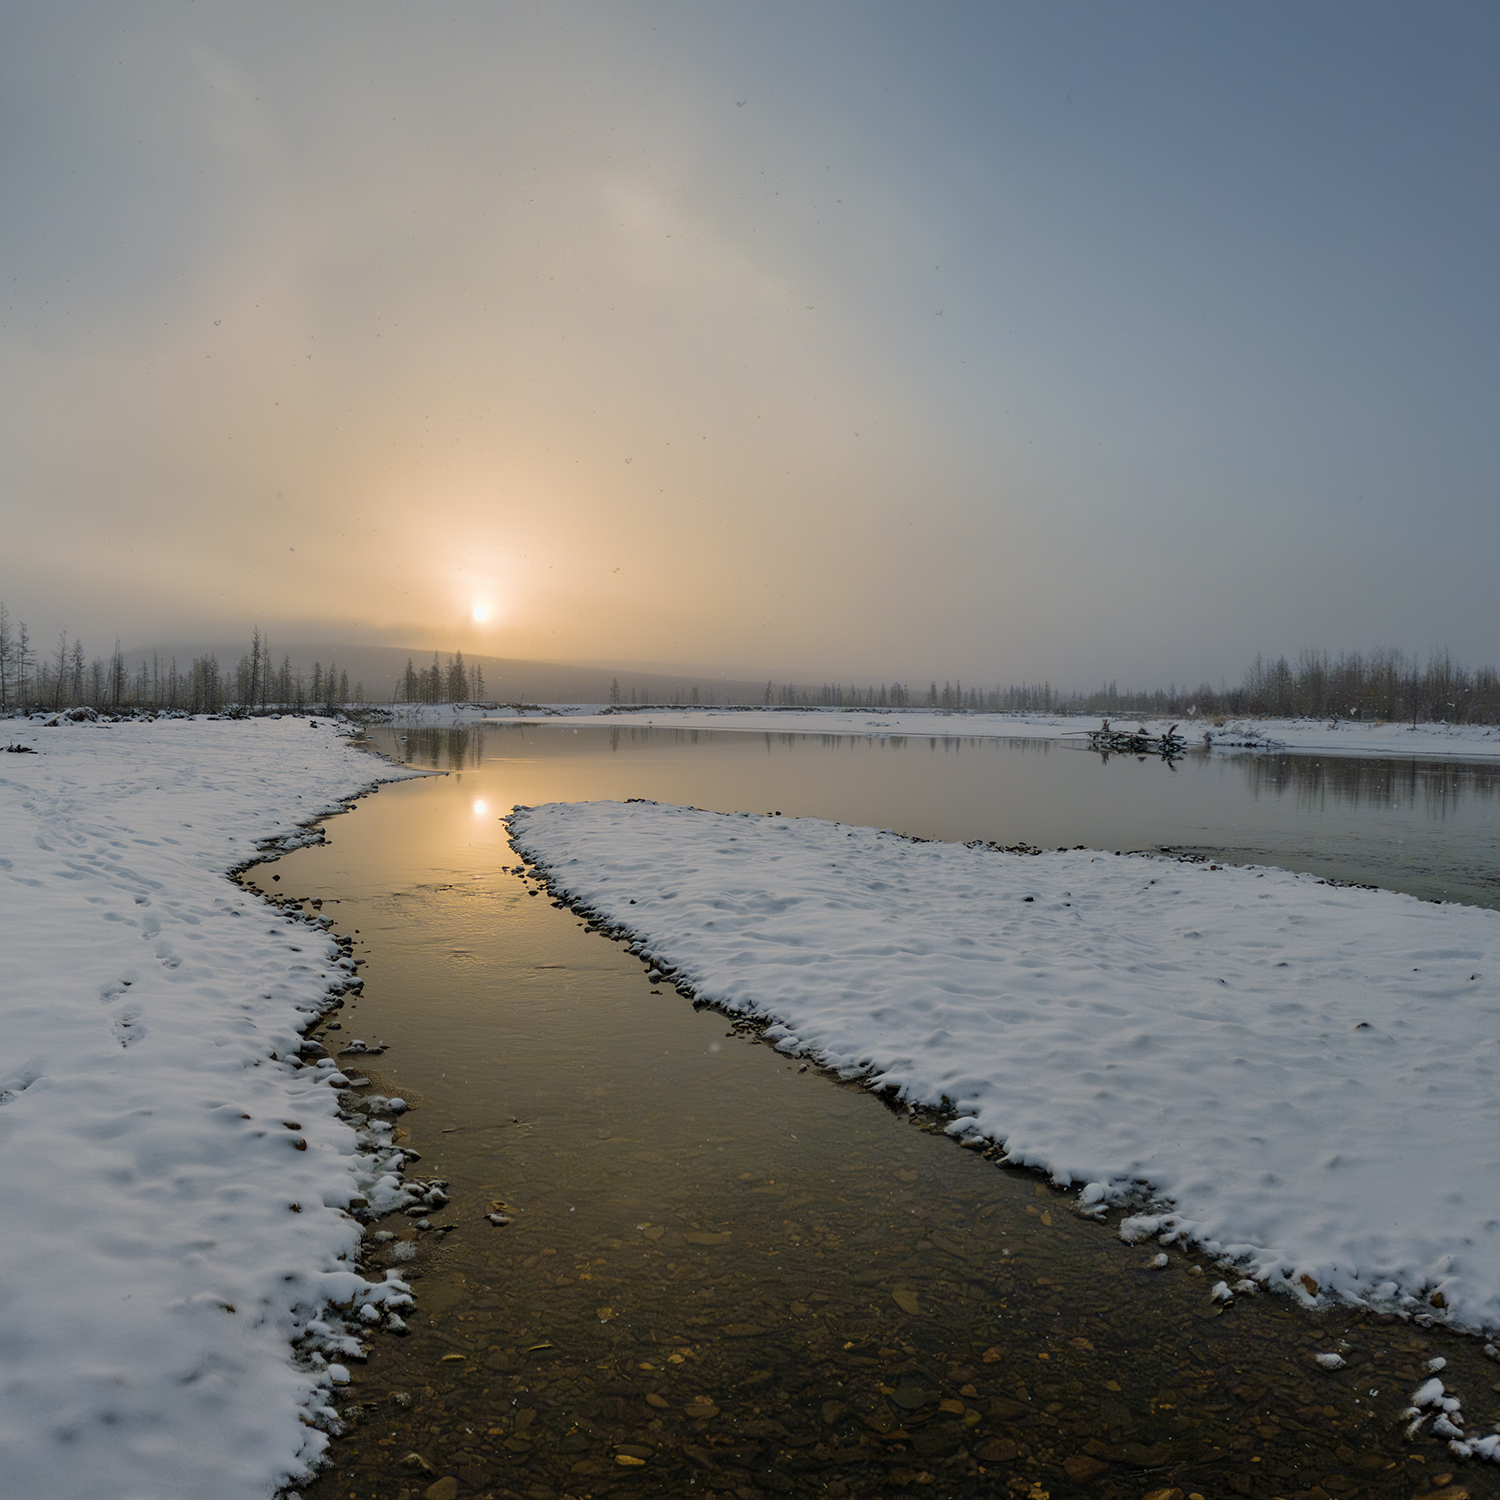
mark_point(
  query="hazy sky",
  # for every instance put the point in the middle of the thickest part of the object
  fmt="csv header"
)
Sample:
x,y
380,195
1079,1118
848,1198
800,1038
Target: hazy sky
x,y
1006,340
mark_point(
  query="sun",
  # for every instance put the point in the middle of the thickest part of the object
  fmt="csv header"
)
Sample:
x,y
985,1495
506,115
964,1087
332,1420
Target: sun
x,y
481,613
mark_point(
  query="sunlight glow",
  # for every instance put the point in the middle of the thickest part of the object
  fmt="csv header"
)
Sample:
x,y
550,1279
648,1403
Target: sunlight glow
x,y
481,612
481,807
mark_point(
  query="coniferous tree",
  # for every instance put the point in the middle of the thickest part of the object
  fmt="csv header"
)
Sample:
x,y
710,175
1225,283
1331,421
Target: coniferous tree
x,y
256,658
62,670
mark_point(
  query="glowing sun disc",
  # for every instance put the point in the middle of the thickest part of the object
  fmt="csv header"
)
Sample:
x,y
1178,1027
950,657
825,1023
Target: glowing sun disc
x,y
481,613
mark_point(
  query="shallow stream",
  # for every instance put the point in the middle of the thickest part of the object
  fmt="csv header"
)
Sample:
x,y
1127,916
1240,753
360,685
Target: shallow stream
x,y
727,1274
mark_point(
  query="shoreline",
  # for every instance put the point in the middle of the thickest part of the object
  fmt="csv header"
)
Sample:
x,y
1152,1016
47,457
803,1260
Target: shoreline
x,y
177,1330
1343,737
1376,739
846,1017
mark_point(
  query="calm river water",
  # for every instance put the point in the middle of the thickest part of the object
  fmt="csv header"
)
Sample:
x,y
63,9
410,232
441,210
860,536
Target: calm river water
x,y
729,1275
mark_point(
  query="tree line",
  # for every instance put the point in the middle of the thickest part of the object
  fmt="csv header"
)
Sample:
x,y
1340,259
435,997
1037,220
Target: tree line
x,y
66,677
455,683
951,697
260,685
1381,684
1384,684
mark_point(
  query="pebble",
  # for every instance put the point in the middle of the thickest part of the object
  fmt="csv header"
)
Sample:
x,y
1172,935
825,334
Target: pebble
x,y
1081,1469
912,1396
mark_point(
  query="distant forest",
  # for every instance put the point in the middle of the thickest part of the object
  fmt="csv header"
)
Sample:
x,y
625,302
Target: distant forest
x,y
67,677
1384,684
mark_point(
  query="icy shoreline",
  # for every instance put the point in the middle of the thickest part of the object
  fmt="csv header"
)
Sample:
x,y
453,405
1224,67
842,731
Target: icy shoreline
x,y
180,1281
1303,1076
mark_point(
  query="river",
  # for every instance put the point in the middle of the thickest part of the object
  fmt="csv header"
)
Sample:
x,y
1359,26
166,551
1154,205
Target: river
x,y
729,1274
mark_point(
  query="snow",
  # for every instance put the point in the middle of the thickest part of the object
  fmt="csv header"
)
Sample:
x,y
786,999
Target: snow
x,y
1299,1078
175,1185
1430,1400
1304,736
1296,1077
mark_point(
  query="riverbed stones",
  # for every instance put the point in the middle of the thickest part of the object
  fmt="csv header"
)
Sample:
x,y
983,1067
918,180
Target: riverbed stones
x,y
997,1451
1083,1469
910,1397
937,1440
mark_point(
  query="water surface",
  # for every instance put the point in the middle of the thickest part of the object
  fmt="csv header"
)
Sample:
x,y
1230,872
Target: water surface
x,y
731,1275
1430,827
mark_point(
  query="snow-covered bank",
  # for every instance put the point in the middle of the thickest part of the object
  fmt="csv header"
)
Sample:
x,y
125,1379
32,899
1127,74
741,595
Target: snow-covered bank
x,y
1320,736
1304,1075
174,1183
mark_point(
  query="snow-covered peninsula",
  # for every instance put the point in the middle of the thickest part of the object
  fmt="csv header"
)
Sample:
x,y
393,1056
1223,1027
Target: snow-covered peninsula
x,y
176,1184
1300,1078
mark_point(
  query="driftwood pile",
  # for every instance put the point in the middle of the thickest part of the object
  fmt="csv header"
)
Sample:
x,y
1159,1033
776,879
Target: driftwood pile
x,y
1137,741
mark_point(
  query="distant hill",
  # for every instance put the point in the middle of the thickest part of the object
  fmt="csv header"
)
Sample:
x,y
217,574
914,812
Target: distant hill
x,y
379,670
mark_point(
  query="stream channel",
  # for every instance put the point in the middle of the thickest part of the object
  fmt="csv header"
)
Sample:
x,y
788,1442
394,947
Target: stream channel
x,y
729,1274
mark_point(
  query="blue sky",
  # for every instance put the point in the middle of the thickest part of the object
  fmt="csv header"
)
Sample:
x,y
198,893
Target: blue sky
x,y
1011,341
